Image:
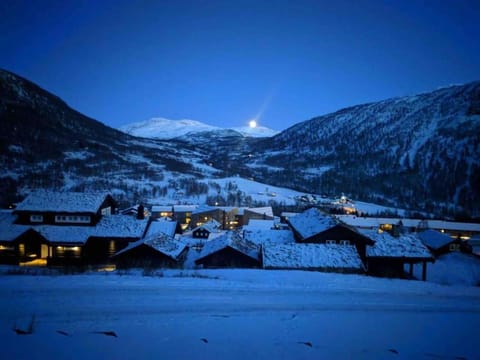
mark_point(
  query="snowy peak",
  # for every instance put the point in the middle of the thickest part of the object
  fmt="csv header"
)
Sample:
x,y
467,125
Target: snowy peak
x,y
161,128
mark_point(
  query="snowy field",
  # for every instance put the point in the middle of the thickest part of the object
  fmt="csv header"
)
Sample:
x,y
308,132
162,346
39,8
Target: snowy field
x,y
236,314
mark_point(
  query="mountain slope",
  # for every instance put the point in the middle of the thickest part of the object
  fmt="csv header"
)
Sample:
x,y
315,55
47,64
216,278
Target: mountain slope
x,y
419,152
45,143
417,149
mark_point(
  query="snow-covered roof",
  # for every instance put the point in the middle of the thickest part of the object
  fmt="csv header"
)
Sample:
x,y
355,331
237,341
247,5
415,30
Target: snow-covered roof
x,y
263,236
386,245
375,222
120,226
204,208
266,210
211,226
160,242
434,239
8,230
162,208
311,256
233,240
113,226
185,208
70,202
164,226
311,222
255,224
65,234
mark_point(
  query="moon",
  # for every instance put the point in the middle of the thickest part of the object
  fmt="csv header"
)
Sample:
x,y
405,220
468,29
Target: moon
x,y
252,124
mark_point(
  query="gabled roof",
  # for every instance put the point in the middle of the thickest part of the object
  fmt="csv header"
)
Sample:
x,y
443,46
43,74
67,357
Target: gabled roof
x,y
162,208
266,210
255,224
8,230
69,202
311,222
403,246
164,226
112,226
311,256
120,226
262,236
434,239
160,242
233,240
211,226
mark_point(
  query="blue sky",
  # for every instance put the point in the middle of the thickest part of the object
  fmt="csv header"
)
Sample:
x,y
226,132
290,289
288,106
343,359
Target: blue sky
x,y
226,62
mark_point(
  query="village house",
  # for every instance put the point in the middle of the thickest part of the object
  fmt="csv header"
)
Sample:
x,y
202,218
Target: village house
x,y
157,250
439,243
66,228
313,226
229,250
317,257
204,231
390,254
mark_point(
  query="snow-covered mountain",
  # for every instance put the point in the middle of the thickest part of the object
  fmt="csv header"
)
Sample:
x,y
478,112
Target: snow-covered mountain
x,y
422,149
161,128
418,152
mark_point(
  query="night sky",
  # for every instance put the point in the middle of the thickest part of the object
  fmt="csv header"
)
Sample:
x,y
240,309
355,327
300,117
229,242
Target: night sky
x,y
226,62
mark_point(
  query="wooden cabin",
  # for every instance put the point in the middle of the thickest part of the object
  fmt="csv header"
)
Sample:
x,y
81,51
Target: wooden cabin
x,y
229,251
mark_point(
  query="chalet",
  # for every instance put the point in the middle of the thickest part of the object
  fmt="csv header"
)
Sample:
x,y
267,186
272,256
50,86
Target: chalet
x,y
157,250
64,208
229,250
313,226
51,228
112,234
439,243
168,227
389,255
317,257
204,231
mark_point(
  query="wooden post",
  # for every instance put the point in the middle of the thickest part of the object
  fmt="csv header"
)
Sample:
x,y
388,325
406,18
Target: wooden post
x,y
411,269
424,271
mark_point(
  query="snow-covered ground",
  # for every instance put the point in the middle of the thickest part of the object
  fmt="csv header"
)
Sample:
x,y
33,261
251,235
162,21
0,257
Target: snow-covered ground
x,y
453,269
236,314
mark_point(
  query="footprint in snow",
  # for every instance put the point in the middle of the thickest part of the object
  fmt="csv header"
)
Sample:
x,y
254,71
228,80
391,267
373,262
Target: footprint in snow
x,y
107,333
393,351
204,340
64,333
306,343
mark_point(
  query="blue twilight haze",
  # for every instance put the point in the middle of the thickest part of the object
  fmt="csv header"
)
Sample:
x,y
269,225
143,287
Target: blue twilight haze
x,y
226,62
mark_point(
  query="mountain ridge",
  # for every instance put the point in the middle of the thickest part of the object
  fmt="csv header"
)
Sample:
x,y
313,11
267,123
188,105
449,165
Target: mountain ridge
x,y
166,129
420,152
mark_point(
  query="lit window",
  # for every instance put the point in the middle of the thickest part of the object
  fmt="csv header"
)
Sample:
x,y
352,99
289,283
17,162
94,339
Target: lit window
x,y
330,242
344,242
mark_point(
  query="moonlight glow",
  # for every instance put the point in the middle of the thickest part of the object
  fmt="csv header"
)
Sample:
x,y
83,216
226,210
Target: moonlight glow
x,y
252,124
